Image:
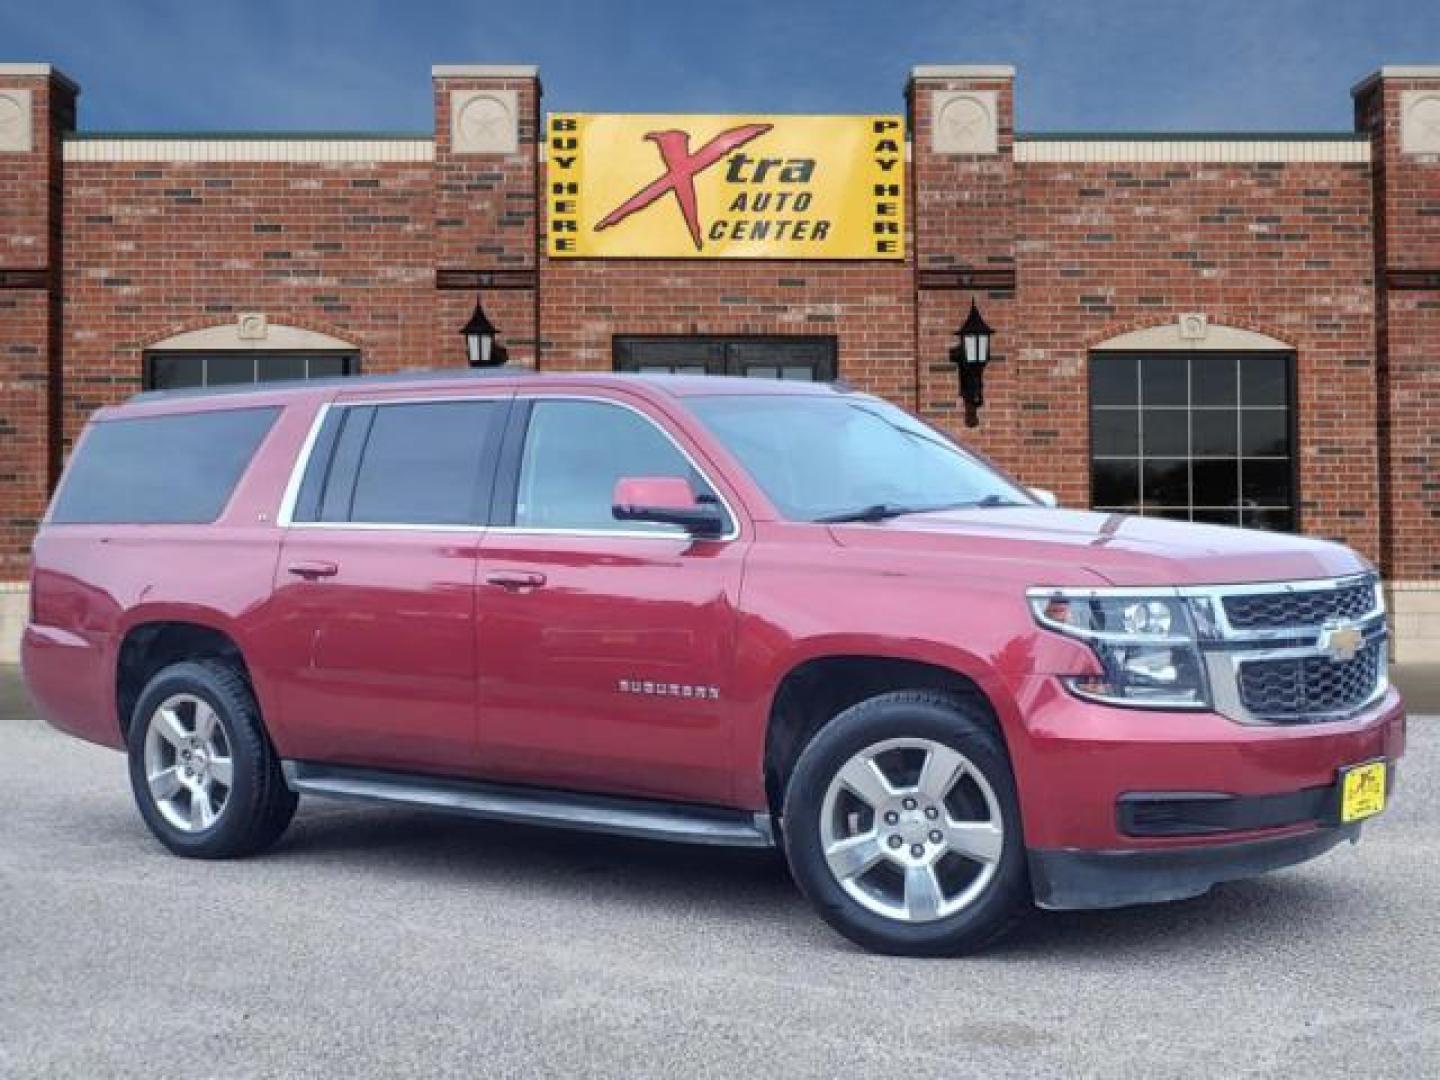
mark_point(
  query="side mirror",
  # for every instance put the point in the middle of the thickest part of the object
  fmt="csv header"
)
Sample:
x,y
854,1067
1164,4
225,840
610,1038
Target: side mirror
x,y
665,500
1045,497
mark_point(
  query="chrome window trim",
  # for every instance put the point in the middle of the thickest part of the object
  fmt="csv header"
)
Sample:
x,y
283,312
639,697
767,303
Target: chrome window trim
x,y
297,471
673,532
285,516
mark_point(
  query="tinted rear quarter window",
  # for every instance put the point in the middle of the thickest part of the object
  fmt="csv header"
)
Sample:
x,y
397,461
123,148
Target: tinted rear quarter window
x,y
421,463
176,469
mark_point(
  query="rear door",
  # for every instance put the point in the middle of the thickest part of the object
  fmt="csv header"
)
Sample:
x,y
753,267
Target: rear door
x,y
375,588
605,646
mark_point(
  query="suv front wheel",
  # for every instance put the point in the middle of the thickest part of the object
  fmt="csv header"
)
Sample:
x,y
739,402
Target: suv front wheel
x,y
902,826
205,777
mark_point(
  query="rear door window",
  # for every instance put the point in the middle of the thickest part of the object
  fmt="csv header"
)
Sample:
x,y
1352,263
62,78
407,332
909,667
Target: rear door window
x,y
174,469
410,463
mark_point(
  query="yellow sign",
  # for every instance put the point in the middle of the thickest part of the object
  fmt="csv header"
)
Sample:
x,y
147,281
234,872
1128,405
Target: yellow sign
x,y
728,187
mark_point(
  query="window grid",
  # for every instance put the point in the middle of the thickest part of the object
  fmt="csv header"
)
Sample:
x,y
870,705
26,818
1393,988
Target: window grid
x,y
264,366
1243,511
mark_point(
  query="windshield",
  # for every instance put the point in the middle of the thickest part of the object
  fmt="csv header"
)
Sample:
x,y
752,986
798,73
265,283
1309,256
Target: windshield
x,y
825,457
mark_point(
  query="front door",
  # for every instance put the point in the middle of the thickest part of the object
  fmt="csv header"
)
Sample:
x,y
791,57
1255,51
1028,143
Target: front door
x,y
605,647
372,618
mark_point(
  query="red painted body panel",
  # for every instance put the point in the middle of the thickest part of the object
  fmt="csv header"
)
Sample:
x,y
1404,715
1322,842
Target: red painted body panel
x,y
648,665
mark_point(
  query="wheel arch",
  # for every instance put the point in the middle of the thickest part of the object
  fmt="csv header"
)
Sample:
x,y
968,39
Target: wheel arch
x,y
818,687
160,638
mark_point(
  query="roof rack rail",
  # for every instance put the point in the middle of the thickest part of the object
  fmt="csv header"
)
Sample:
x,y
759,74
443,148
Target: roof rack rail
x,y
417,375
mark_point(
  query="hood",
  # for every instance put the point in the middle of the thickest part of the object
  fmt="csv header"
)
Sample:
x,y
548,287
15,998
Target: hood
x,y
1122,549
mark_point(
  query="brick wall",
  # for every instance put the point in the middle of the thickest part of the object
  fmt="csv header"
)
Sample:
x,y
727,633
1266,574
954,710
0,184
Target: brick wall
x,y
30,260
1060,255
1283,249
1407,255
158,248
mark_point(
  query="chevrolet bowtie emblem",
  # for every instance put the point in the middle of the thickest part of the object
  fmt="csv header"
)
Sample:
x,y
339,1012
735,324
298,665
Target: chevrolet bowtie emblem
x,y
1340,642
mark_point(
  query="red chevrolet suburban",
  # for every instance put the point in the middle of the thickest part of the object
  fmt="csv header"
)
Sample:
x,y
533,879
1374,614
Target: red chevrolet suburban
x,y
716,611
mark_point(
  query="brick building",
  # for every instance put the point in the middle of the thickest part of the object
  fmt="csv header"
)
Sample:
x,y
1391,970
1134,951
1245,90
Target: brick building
x,y
1231,328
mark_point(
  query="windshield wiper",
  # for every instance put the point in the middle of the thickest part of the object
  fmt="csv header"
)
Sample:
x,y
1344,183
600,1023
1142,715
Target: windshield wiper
x,y
886,511
876,512
987,502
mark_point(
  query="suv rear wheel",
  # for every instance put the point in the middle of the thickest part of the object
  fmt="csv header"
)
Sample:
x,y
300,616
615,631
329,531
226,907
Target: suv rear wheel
x,y
204,774
902,826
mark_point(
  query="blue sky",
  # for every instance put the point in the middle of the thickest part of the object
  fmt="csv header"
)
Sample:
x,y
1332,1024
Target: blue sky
x,y
364,64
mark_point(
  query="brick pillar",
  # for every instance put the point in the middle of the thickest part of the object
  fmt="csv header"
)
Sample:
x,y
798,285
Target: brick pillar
x,y
963,207
486,204
37,106
1400,108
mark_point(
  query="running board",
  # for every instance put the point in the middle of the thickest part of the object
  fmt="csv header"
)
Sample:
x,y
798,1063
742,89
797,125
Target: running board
x,y
649,820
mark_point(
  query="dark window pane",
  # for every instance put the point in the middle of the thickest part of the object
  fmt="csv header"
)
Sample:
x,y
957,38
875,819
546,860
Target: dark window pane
x,y
324,367
1169,515
776,352
762,371
422,463
1276,519
226,369
1264,379
1163,380
1265,432
1166,483
665,354
575,451
174,372
274,368
160,469
1213,433
1212,381
1165,432
339,487
1218,517
1265,483
1208,458
1217,483
1115,483
1113,380
1115,432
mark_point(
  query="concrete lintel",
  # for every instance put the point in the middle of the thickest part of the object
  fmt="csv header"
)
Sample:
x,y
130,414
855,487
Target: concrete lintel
x,y
485,71
962,71
39,71
1397,71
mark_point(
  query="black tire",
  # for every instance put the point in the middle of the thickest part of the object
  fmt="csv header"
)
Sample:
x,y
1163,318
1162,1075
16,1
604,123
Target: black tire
x,y
952,721
259,804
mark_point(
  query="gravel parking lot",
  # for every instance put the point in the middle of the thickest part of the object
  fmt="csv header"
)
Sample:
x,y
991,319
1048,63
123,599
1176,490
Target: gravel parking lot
x,y
379,942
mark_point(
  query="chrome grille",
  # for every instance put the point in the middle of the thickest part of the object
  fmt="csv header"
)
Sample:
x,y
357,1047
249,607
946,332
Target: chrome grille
x,y
1310,607
1310,687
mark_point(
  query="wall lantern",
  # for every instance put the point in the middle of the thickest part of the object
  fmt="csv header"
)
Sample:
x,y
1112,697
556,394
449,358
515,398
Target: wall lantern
x,y
971,356
481,348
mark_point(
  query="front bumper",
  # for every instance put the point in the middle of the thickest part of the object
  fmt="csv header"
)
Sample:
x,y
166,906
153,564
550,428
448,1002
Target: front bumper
x,y
1065,880
1075,762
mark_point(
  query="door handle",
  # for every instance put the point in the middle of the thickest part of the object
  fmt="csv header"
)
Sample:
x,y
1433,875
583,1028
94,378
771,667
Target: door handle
x,y
516,580
312,569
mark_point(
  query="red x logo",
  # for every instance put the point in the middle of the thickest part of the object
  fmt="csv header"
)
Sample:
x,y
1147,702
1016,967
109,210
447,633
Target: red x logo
x,y
681,168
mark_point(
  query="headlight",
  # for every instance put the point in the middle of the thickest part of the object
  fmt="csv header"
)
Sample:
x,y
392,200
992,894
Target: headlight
x,y
1147,645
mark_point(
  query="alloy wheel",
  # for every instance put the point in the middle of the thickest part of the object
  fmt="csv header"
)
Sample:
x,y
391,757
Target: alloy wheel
x,y
912,830
188,765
